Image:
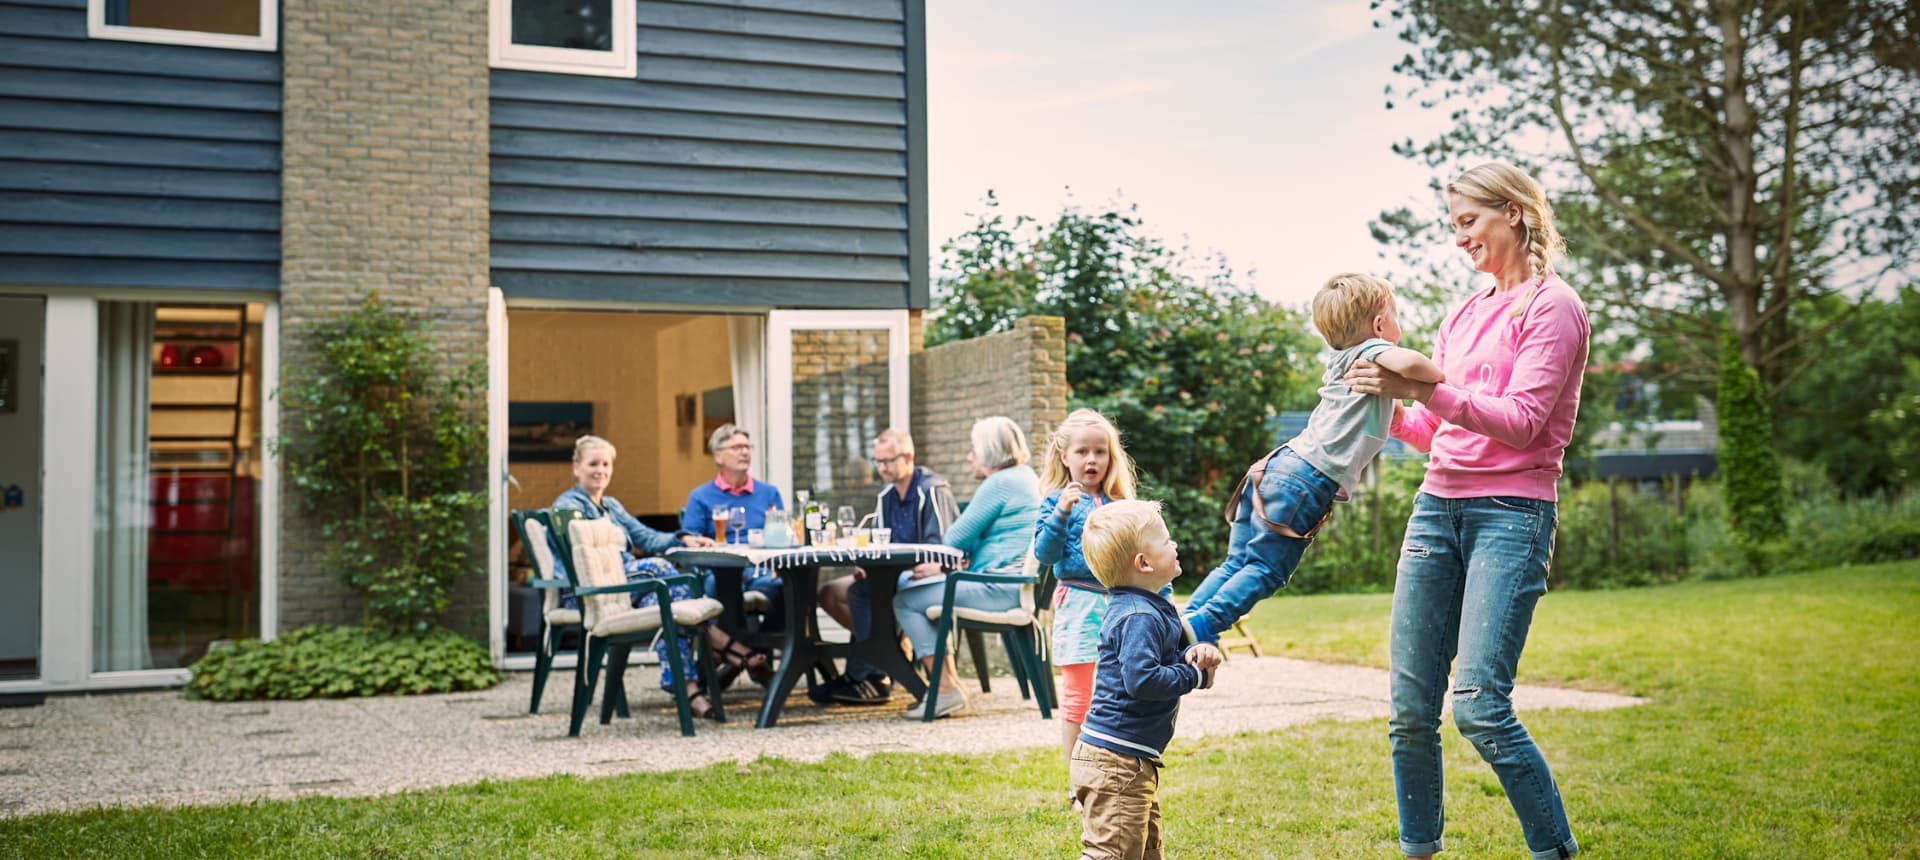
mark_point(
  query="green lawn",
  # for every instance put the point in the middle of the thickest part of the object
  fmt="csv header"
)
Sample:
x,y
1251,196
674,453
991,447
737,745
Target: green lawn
x,y
1782,725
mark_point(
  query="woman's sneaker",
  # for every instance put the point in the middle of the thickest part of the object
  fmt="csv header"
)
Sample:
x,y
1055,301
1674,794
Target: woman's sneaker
x,y
944,704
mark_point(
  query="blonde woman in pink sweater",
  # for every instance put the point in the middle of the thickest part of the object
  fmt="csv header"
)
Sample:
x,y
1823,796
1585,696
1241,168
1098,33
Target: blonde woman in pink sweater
x,y
1477,549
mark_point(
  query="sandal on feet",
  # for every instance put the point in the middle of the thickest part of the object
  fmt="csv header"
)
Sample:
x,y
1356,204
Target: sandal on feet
x,y
703,708
736,658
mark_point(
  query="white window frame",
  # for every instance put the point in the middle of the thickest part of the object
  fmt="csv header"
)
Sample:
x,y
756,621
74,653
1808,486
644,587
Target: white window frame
x,y
623,61
780,328
71,366
268,40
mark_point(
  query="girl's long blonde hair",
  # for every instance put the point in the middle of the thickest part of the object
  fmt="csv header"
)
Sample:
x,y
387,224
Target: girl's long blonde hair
x,y
1120,482
1497,185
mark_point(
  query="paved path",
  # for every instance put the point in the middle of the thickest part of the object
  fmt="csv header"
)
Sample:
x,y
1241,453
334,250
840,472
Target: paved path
x,y
157,748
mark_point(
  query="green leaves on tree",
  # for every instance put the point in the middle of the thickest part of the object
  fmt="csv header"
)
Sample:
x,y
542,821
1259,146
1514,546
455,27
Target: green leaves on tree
x,y
389,454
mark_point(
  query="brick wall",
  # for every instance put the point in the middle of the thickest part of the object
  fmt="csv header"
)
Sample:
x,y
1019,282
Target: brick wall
x,y
384,187
1021,374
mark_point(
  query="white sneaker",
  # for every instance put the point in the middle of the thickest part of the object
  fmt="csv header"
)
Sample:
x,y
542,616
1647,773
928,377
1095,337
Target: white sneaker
x,y
946,704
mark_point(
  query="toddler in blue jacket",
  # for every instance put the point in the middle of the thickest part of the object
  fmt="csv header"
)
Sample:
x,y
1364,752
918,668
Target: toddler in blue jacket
x,y
1142,673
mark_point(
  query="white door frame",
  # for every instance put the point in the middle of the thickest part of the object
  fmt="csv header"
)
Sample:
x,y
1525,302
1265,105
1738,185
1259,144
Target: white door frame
x,y
780,328
497,476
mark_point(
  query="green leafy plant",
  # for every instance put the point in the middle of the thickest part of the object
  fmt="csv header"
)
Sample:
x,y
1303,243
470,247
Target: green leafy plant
x,y
338,662
389,453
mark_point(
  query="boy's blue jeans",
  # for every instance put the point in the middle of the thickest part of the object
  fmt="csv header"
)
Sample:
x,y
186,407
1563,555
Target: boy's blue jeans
x,y
1259,560
1470,573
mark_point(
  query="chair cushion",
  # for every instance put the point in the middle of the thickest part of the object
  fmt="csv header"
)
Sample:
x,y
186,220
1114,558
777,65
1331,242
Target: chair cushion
x,y
754,601
1014,617
597,561
561,616
686,613
540,550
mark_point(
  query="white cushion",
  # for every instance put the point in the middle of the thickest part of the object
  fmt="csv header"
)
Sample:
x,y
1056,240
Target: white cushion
x,y
754,601
561,616
597,546
540,550
1015,616
686,613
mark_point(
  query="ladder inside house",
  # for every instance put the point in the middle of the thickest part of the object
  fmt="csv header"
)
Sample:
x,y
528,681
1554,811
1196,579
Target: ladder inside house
x,y
200,543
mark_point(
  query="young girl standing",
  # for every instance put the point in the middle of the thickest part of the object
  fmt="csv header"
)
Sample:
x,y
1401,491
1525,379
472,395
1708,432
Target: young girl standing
x,y
1086,468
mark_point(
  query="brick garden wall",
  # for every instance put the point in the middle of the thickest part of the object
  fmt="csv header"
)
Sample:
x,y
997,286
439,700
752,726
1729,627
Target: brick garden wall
x,y
1021,374
385,187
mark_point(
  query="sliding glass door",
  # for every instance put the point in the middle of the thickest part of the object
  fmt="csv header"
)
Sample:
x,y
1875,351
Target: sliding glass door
x,y
176,555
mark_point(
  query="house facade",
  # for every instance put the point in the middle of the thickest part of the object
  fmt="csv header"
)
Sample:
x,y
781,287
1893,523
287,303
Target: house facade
x,y
647,218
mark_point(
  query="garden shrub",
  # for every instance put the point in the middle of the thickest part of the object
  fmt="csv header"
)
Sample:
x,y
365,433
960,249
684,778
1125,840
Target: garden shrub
x,y
339,662
388,451
1617,537
1748,468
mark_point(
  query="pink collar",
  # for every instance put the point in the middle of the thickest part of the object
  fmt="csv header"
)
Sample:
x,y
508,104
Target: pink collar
x,y
745,489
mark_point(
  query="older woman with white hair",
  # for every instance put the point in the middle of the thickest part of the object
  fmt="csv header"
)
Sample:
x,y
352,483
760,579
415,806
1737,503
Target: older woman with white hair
x,y
994,532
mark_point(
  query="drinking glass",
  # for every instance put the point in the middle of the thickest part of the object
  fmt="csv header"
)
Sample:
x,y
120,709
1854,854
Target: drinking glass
x,y
845,517
720,516
882,537
737,521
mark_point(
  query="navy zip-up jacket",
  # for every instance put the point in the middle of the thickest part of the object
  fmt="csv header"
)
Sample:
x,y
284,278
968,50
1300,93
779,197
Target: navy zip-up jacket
x,y
1140,677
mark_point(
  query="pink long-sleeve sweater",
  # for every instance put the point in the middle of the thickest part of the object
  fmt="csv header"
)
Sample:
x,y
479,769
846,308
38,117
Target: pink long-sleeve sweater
x,y
1500,423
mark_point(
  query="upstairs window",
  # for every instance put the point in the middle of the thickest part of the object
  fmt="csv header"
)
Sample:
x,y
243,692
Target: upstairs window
x,y
247,25
577,37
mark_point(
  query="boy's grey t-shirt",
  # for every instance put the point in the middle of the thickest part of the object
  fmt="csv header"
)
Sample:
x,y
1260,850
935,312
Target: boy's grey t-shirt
x,y
1347,428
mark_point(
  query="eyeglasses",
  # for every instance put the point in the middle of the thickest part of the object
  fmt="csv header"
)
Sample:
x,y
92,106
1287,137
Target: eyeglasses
x,y
880,461
742,446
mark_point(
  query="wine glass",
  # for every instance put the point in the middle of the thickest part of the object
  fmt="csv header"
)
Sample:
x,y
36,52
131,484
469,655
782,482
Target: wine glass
x,y
737,523
844,517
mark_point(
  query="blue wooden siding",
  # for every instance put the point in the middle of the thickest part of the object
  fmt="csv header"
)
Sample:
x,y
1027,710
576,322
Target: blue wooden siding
x,y
130,164
762,156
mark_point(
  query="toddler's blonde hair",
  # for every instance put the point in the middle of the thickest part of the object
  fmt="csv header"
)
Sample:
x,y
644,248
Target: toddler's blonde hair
x,y
1119,483
1344,308
1115,534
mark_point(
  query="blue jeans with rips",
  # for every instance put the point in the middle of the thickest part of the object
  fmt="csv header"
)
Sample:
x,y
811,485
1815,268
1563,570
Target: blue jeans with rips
x,y
1470,573
1260,561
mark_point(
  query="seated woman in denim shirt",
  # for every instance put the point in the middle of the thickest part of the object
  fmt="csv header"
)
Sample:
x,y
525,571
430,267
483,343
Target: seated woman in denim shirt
x,y
592,472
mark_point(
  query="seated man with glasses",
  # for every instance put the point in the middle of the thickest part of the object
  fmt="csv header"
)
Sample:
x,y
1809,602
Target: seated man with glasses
x,y
918,506
735,488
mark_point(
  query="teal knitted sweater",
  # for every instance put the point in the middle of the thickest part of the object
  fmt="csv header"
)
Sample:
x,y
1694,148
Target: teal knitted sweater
x,y
997,526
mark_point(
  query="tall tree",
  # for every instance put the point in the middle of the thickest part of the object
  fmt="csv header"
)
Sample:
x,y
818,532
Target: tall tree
x,y
1717,162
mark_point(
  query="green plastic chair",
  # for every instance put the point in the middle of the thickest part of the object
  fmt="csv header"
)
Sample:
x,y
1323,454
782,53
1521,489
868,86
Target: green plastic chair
x,y
611,626
1019,630
540,529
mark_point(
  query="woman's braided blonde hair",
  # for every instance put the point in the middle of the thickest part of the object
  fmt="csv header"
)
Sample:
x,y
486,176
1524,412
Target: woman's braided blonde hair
x,y
1497,185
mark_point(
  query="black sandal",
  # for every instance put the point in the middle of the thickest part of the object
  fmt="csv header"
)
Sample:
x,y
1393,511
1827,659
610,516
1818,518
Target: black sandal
x,y
736,658
703,707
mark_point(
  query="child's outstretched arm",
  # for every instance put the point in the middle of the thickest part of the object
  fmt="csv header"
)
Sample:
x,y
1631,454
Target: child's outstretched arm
x,y
1410,364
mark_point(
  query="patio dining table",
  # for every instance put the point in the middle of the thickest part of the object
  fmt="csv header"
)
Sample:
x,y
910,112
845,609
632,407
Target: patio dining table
x,y
801,647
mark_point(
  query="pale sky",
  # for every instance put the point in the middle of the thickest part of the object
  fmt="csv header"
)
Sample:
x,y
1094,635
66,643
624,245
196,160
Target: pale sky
x,y
1255,129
